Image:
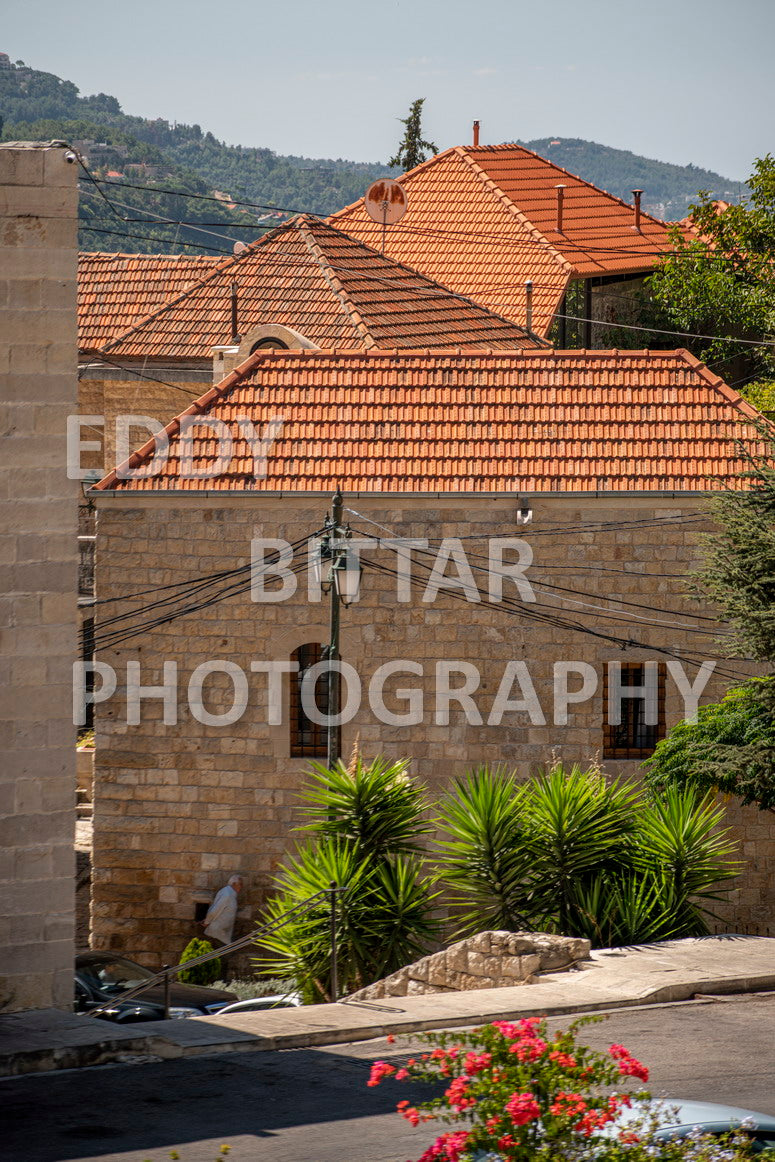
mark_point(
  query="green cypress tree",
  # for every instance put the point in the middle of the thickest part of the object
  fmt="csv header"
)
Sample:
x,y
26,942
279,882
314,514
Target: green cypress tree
x,y
412,148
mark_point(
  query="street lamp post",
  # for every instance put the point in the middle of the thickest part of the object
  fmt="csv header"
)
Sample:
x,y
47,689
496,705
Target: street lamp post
x,y
343,584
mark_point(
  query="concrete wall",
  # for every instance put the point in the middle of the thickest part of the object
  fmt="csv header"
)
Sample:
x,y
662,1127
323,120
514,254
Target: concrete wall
x,y
38,247
179,807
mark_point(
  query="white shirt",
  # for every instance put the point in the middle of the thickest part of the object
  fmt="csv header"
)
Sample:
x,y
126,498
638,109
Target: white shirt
x,y
221,915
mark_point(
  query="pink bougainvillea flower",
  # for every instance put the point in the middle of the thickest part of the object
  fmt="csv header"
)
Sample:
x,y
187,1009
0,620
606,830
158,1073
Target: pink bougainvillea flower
x,y
522,1108
402,1074
457,1095
563,1059
567,1105
380,1070
390,1039
476,1062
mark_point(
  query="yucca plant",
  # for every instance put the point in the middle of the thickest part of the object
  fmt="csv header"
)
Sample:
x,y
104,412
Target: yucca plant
x,y
484,859
577,826
366,824
383,918
376,805
680,833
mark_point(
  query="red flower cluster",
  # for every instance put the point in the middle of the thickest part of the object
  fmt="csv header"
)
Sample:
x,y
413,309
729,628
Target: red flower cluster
x,y
457,1095
529,1048
476,1062
593,1120
409,1112
448,1147
522,1108
563,1059
380,1070
567,1105
629,1066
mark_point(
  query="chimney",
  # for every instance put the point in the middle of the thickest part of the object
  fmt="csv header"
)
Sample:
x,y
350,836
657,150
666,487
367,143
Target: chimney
x,y
529,304
560,195
476,134
637,196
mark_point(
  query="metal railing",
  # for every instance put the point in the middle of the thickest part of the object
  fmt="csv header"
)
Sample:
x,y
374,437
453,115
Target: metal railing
x,y
167,972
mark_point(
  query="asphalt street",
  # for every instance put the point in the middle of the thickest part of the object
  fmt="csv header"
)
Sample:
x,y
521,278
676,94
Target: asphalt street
x,y
312,1105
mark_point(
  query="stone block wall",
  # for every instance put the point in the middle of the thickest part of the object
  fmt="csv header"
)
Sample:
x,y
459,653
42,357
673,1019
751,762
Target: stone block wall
x,y
488,960
180,806
38,548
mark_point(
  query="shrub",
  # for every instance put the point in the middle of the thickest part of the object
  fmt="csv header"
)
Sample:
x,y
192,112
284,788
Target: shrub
x,y
204,974
523,1095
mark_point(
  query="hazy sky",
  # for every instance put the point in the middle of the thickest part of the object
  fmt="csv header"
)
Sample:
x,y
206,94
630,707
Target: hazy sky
x,y
679,80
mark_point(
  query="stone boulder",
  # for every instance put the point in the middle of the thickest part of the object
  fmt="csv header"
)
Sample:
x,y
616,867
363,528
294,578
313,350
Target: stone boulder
x,y
486,961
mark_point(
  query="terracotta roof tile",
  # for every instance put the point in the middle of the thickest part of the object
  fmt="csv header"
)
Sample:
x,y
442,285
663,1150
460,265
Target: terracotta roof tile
x,y
481,220
506,422
116,291
337,292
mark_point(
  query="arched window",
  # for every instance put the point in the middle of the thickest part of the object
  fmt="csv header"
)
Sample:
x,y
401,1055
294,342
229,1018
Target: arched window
x,y
308,738
269,345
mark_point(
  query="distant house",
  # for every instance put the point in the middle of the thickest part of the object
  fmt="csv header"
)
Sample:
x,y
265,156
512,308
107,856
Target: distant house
x,y
483,220
612,452
155,328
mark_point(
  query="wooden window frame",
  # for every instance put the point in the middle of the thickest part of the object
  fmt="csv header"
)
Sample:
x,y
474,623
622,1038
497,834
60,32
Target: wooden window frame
x,y
613,748
307,739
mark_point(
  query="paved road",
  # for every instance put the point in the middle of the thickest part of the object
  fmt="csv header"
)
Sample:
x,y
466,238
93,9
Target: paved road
x,y
313,1105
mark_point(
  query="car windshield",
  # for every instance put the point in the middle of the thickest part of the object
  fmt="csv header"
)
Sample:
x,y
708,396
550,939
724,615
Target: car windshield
x,y
114,976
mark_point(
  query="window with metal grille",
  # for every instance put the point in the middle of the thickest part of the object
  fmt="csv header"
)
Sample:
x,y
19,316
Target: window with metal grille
x,y
633,737
308,738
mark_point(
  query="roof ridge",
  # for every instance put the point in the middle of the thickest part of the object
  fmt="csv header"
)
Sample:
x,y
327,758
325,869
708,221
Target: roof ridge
x,y
348,306
568,173
511,206
428,281
200,405
723,388
235,260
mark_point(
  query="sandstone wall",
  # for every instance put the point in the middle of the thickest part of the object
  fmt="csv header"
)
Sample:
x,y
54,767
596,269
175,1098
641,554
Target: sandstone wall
x,y
38,206
179,807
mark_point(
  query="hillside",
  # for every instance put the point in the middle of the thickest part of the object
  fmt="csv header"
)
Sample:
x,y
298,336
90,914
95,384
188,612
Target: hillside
x,y
668,189
129,150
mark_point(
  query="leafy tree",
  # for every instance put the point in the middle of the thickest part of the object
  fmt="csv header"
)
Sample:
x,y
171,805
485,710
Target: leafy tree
x,y
721,281
739,568
730,748
412,147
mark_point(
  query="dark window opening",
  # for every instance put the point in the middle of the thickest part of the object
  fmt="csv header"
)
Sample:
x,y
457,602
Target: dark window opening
x,y
269,344
633,737
308,738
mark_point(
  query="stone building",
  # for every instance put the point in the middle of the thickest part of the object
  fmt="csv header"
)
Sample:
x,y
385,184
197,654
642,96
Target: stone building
x,y
201,753
38,251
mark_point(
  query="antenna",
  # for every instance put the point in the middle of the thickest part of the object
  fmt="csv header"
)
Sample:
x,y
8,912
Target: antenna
x,y
386,202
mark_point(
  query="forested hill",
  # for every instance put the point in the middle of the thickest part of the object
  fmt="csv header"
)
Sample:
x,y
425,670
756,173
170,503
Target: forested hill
x,y
129,151
668,189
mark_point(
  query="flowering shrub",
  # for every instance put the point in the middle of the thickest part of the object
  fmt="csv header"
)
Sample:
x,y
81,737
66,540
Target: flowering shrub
x,y
527,1096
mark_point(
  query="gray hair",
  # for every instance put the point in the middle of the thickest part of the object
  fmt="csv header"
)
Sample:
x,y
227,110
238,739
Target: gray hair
x,y
236,878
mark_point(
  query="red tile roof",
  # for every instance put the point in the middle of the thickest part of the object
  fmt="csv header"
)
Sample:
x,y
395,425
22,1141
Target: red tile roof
x,y
481,220
509,422
116,291
335,291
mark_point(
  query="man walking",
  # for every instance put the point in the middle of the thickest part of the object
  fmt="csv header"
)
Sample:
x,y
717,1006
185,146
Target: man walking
x,y
219,921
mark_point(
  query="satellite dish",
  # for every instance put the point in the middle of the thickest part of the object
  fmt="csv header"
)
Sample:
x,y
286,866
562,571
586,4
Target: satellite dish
x,y
240,248
386,201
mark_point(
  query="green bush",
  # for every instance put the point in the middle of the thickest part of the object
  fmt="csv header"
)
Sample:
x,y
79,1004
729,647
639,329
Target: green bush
x,y
205,973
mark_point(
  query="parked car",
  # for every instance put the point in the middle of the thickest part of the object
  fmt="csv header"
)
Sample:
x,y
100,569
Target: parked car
x,y
258,1004
682,1117
101,978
